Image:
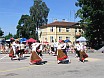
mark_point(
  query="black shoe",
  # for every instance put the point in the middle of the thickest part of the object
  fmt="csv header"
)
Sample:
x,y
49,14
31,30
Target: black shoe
x,y
19,59
12,59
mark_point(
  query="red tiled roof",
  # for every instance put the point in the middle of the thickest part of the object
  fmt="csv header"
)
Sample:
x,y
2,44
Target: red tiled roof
x,y
60,23
57,23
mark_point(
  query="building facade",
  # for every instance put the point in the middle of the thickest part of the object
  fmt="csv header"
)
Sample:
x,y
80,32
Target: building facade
x,y
60,30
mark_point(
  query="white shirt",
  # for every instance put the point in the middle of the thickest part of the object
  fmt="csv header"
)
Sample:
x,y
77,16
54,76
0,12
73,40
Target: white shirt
x,y
13,44
22,46
59,46
78,47
56,44
82,47
18,45
34,47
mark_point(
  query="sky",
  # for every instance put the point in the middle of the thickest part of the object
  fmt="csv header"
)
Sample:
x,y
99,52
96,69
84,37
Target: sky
x,y
11,11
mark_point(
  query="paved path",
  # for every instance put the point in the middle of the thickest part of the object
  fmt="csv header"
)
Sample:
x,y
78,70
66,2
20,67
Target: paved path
x,y
93,68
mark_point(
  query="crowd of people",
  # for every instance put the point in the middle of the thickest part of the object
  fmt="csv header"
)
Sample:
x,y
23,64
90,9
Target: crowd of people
x,y
60,49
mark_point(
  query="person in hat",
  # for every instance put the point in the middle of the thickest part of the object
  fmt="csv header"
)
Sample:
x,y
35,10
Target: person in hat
x,y
61,53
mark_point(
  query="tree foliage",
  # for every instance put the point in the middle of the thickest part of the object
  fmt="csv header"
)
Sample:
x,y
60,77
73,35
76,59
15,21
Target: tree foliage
x,y
91,13
23,27
39,13
28,24
8,36
1,32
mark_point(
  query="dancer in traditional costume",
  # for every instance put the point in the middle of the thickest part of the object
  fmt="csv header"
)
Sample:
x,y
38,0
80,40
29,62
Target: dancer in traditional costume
x,y
61,54
83,54
15,50
35,59
12,52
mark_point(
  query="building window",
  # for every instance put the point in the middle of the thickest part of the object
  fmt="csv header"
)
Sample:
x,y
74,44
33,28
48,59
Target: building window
x,y
51,29
60,29
51,38
60,37
67,29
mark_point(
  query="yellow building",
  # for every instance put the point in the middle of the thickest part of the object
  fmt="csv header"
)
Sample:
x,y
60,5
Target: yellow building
x,y
60,30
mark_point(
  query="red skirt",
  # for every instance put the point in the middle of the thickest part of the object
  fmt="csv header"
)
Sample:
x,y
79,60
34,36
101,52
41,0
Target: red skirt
x,y
35,58
61,55
11,54
83,55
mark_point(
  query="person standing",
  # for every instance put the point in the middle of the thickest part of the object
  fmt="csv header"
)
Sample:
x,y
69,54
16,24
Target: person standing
x,y
55,47
22,48
77,49
67,47
52,48
18,50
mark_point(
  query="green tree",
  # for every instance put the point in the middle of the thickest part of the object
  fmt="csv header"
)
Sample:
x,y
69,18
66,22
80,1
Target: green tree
x,y
28,25
15,36
38,14
1,32
8,36
23,27
91,13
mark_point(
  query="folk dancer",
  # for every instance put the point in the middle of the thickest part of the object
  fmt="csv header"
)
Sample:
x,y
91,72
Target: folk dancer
x,y
12,52
62,54
35,59
83,54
